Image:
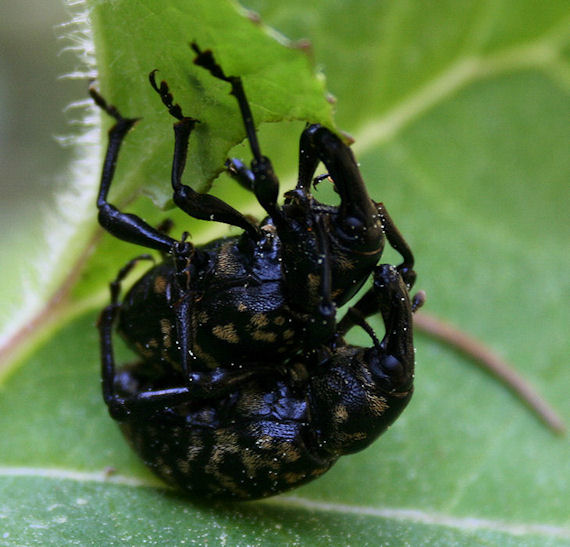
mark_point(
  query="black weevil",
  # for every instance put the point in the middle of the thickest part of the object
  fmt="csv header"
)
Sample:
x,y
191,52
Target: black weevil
x,y
245,386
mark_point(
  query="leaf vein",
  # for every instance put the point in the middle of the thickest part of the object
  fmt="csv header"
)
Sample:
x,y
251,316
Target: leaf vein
x,y
541,55
400,514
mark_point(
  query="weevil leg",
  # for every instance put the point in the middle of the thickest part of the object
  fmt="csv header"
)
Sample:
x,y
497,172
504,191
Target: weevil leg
x,y
241,173
105,326
319,317
308,160
374,301
398,343
325,315
195,204
399,244
265,183
125,226
320,144
391,299
203,385
183,315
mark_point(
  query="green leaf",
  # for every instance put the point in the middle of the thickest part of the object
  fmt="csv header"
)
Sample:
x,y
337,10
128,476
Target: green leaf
x,y
461,124
278,81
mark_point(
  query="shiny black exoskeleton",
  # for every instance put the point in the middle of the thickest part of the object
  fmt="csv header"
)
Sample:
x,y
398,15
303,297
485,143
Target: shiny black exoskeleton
x,y
245,387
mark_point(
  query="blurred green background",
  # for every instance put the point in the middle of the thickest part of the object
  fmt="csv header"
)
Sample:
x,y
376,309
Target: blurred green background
x,y
32,100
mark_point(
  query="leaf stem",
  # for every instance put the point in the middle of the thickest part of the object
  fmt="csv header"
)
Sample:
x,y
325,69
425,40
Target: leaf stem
x,y
492,363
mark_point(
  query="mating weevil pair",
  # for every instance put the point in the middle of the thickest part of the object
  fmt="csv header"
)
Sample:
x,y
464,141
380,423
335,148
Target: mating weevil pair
x,y
245,386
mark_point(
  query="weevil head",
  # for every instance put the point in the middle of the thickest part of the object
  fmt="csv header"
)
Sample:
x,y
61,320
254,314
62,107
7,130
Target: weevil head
x,y
357,224
351,232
